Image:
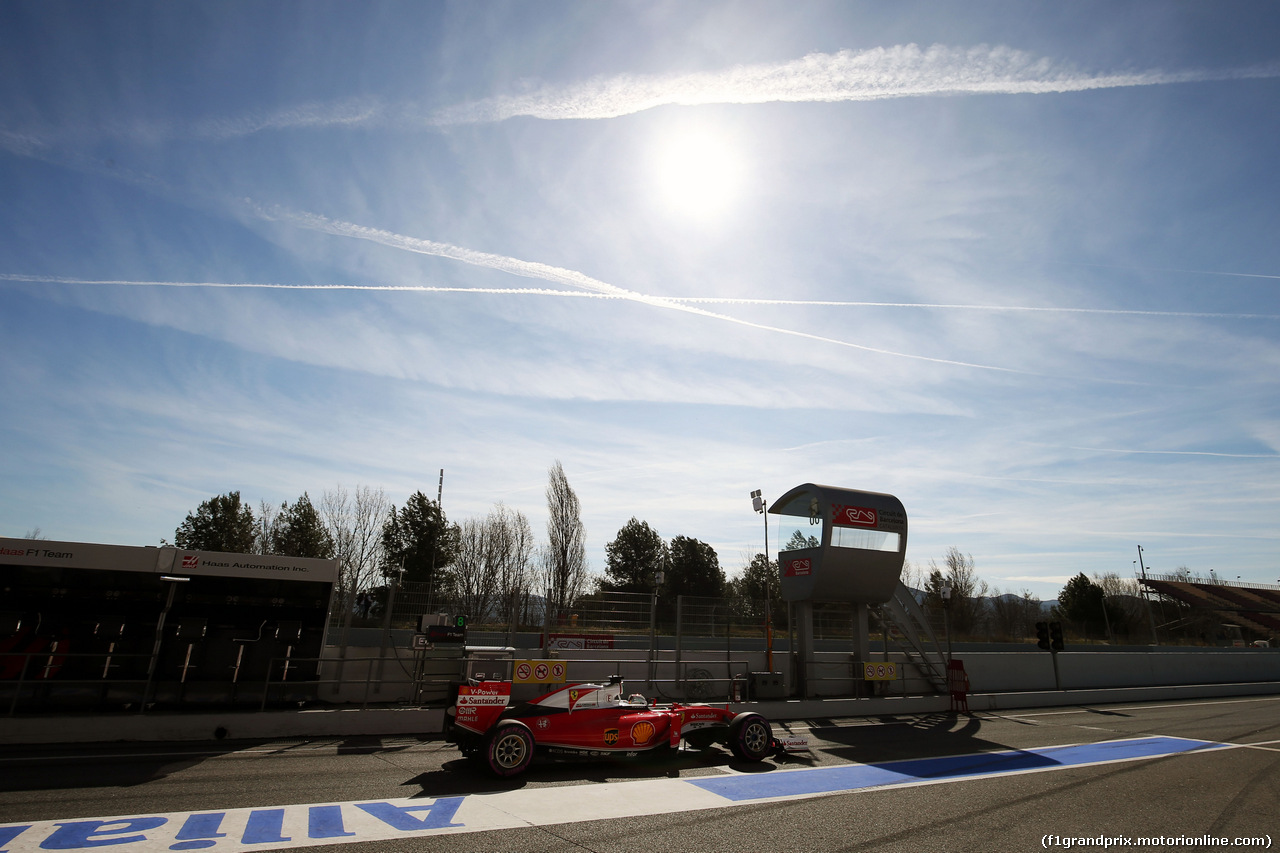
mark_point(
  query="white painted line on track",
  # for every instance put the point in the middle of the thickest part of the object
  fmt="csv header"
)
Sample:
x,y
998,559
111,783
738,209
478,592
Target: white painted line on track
x,y
1141,707
1262,744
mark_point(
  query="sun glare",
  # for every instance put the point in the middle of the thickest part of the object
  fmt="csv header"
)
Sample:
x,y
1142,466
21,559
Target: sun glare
x,y
698,174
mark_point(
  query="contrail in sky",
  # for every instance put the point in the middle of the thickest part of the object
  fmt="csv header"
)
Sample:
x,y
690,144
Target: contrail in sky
x,y
1174,269
628,295
1179,453
573,278
902,71
532,269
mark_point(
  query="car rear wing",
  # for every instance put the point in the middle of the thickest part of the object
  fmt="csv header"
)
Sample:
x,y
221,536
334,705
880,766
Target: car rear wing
x,y
478,706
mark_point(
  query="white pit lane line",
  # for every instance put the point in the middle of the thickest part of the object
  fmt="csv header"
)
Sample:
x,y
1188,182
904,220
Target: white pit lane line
x,y
337,823
279,827
1134,707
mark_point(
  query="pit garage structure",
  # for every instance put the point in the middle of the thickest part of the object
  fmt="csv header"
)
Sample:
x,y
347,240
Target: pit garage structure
x,y
93,625
855,544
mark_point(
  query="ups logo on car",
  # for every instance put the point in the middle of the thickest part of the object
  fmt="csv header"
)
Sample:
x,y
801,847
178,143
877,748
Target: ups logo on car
x,y
611,736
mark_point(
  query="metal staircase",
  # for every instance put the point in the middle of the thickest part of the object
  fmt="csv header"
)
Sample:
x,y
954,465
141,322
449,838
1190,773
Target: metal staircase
x,y
918,641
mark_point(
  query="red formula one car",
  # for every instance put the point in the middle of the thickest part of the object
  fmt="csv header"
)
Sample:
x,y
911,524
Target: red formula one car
x,y
594,721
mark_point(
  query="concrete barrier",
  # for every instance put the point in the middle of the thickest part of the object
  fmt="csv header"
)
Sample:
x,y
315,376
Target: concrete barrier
x,y
1000,680
429,722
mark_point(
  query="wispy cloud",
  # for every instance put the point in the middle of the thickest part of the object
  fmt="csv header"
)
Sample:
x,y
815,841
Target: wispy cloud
x,y
901,71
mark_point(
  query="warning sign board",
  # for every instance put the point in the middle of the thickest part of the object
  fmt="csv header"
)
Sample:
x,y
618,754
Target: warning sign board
x,y
879,670
539,672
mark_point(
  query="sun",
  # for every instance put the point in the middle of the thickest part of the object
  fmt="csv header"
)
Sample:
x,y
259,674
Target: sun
x,y
697,174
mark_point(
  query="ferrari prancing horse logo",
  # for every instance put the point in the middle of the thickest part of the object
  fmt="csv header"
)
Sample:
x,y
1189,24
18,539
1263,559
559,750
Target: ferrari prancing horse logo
x,y
611,737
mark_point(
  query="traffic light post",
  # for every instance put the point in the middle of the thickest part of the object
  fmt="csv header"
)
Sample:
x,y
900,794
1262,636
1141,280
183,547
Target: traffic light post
x,y
1049,638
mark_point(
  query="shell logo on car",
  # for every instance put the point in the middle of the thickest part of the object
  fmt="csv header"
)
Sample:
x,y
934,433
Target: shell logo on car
x,y
642,732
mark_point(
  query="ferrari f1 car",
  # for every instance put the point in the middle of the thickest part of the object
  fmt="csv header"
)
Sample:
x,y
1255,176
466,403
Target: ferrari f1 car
x,y
595,721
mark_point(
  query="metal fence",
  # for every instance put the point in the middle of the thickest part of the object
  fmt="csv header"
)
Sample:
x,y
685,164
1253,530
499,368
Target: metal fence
x,y
630,618
611,619
613,613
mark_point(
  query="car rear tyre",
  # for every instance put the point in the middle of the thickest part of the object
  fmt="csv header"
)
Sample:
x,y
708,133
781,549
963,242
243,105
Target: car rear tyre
x,y
508,749
750,737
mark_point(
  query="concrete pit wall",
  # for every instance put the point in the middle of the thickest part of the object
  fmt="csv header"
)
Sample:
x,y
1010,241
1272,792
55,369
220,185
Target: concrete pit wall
x,y
988,671
703,674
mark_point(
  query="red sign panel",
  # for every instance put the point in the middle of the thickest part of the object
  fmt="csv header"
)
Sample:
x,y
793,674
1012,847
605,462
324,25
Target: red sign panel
x,y
799,568
854,516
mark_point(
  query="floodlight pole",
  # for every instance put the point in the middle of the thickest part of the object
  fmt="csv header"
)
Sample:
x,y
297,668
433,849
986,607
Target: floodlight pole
x,y
1146,595
946,618
761,506
658,578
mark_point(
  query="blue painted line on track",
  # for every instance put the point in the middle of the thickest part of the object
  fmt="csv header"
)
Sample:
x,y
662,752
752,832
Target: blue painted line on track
x,y
826,780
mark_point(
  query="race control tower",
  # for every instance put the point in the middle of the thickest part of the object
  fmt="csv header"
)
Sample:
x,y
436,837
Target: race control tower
x,y
841,545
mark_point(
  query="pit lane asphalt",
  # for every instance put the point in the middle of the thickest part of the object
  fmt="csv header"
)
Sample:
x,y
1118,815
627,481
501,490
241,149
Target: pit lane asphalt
x,y
1230,792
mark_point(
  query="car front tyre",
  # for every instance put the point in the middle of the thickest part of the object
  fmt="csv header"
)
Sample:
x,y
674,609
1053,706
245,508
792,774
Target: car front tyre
x,y
750,737
508,749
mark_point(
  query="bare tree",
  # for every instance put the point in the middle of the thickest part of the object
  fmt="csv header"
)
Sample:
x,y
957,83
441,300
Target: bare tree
x,y
513,562
354,521
264,534
564,559
474,567
492,571
1032,612
913,575
967,589
1125,606
1005,614
1013,616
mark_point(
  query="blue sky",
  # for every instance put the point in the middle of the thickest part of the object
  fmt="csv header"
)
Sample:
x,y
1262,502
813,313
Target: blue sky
x,y
1015,263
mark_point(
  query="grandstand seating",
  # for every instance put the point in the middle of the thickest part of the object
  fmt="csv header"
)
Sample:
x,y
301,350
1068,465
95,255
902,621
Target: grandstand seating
x,y
1253,608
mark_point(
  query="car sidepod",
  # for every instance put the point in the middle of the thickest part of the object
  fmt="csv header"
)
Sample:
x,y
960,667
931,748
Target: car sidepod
x,y
702,726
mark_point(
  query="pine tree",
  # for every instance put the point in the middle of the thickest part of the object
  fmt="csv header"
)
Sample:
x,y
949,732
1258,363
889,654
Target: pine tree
x,y
221,523
633,558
